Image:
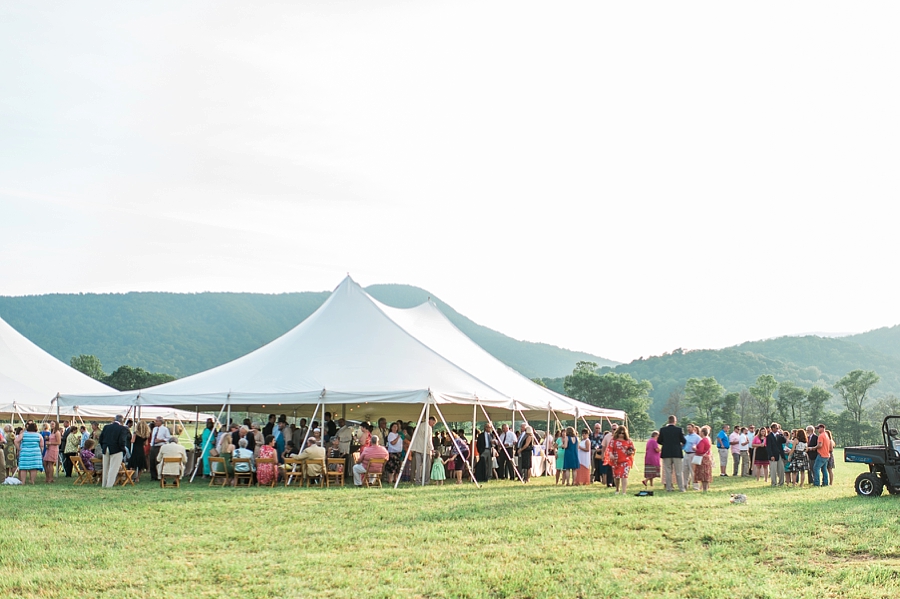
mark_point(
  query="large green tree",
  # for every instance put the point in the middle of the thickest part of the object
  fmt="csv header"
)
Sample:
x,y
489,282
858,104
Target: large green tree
x,y
762,393
89,365
130,378
791,398
612,390
728,409
816,399
854,389
705,395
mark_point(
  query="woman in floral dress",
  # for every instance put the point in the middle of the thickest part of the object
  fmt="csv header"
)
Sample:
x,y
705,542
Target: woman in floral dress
x,y
620,455
266,473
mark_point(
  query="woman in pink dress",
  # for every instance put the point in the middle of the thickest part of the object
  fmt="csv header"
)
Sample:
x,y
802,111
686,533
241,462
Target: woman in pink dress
x,y
51,457
266,473
583,474
651,459
620,455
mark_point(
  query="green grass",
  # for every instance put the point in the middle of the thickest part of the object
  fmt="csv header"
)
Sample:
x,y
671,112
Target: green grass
x,y
505,540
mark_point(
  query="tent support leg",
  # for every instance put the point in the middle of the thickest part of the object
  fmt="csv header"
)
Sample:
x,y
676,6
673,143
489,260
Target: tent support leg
x,y
428,448
308,428
502,446
406,457
208,439
472,453
471,472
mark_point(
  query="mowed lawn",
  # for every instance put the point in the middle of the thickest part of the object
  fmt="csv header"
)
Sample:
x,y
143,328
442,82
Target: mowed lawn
x,y
505,540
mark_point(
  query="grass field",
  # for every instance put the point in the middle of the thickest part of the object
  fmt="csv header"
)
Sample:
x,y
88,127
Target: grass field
x,y
505,540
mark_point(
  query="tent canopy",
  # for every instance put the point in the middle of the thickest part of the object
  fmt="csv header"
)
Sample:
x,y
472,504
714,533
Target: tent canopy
x,y
373,359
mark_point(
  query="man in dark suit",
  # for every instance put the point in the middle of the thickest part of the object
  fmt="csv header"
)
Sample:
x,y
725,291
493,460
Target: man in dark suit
x,y
114,439
671,440
485,444
775,447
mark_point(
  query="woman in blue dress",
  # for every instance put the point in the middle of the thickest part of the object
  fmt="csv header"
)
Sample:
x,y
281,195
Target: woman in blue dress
x,y
207,443
570,460
31,446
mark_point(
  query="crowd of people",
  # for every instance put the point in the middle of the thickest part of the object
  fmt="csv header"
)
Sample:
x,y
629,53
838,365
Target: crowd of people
x,y
769,453
682,459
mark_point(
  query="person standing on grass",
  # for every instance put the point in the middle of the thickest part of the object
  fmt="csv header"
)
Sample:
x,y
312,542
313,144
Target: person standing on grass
x,y
607,469
723,445
570,459
30,446
823,452
760,455
703,450
51,453
597,454
671,439
734,443
799,459
690,443
526,452
830,457
583,474
505,458
775,449
745,441
621,457
651,459
114,439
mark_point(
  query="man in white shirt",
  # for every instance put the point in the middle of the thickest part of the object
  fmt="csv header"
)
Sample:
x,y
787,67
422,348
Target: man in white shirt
x,y
504,459
158,438
746,451
421,448
171,450
344,435
735,448
691,440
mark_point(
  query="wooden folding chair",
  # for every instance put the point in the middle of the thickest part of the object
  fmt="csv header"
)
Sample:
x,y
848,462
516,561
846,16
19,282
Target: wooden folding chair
x,y
376,476
242,479
125,477
321,478
84,476
264,461
294,469
97,477
217,471
334,471
163,476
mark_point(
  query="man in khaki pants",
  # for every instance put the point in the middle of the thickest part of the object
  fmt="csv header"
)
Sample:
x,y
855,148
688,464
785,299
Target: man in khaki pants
x,y
114,439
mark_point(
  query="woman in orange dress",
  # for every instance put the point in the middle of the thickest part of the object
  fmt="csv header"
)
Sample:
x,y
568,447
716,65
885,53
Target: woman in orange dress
x,y
51,457
620,455
583,474
266,473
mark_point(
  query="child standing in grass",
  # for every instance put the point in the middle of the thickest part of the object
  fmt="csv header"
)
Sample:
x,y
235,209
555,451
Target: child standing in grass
x,y
438,476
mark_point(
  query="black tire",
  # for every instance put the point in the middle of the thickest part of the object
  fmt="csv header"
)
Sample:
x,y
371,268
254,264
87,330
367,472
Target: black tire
x,y
868,484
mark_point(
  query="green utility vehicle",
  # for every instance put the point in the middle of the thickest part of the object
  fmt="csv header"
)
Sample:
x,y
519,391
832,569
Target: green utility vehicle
x,y
883,461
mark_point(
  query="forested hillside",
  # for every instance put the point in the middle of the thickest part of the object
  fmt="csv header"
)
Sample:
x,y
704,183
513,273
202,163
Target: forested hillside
x,y
806,361
181,334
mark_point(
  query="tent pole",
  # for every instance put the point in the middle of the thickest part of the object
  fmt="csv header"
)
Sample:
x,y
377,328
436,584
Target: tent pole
x,y
471,472
406,457
205,445
472,452
428,448
308,426
502,446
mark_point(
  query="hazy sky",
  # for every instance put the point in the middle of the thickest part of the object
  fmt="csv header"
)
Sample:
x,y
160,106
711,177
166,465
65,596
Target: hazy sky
x,y
619,178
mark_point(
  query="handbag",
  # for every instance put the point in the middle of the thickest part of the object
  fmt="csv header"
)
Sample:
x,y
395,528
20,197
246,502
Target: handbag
x,y
697,460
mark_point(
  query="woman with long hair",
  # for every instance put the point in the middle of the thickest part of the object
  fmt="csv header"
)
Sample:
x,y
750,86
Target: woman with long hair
x,y
138,460
798,458
526,452
395,449
51,456
560,454
10,450
207,444
703,450
760,455
583,474
266,473
651,459
620,455
570,460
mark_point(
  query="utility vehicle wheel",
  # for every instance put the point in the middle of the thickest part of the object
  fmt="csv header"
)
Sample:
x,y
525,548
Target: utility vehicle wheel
x,y
868,485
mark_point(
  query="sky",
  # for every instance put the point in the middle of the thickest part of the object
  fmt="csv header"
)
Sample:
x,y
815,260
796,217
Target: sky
x,y
618,179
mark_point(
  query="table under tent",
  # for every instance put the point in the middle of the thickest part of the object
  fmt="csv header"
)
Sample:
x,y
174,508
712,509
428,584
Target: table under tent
x,y
371,360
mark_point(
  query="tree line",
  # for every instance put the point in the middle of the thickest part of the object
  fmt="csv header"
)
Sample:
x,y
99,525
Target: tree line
x,y
768,400
123,378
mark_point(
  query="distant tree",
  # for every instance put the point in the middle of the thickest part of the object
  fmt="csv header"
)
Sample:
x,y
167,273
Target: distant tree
x,y
705,395
676,406
612,390
727,412
816,398
762,393
89,365
745,406
130,378
880,409
854,389
539,381
791,398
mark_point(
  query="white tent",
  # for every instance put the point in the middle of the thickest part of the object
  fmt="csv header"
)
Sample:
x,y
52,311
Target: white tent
x,y
373,359
30,380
